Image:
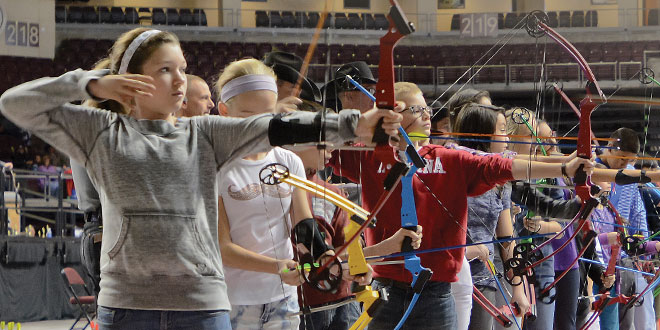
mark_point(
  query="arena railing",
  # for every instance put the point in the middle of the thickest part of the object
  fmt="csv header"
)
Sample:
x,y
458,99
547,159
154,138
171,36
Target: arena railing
x,y
24,196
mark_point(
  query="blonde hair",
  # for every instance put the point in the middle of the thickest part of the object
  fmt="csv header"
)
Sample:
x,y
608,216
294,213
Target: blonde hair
x,y
141,55
241,68
405,89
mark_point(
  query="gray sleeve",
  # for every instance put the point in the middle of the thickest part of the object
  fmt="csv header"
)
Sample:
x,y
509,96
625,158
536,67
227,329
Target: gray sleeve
x,y
233,138
42,107
88,197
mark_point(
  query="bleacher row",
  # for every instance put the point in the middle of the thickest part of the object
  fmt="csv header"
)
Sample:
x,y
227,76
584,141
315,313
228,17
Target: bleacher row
x,y
130,15
563,19
367,21
299,19
421,64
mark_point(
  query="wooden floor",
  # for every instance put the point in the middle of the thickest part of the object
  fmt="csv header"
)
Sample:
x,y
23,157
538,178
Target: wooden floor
x,y
52,325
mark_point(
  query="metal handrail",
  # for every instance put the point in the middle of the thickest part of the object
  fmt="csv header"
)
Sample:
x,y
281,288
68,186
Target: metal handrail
x,y
64,205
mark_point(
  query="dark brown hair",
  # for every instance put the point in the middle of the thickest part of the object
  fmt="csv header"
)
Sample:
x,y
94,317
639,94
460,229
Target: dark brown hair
x,y
477,118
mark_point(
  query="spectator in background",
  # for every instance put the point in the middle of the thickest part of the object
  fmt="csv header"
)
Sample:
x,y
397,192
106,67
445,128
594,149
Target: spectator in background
x,y
36,162
56,158
287,68
53,182
349,96
20,157
198,98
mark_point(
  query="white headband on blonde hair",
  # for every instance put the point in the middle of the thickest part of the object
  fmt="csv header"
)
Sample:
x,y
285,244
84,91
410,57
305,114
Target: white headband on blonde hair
x,y
130,51
247,83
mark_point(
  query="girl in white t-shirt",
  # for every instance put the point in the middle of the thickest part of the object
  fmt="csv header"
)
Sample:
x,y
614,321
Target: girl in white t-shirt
x,y
254,219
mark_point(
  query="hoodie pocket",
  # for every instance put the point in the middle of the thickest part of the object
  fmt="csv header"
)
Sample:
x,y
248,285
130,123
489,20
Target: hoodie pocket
x,y
152,244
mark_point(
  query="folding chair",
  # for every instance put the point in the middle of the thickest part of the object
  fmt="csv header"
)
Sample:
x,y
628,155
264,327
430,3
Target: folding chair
x,y
86,303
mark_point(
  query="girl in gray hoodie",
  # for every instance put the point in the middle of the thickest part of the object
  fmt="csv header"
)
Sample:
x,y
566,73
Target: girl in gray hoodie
x,y
160,260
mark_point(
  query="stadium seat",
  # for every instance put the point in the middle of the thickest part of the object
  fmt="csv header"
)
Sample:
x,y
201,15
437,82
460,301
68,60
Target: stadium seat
x,y
312,19
250,50
275,19
381,22
577,20
369,21
186,17
261,18
60,14
288,20
75,14
553,20
510,20
591,19
131,16
199,15
455,22
341,21
89,15
328,21
500,21
564,19
354,21
117,15
301,19
159,17
262,49
173,17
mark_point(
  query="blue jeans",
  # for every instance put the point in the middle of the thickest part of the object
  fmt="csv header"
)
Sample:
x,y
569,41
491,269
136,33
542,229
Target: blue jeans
x,y
545,313
272,316
434,310
609,317
568,289
130,319
341,317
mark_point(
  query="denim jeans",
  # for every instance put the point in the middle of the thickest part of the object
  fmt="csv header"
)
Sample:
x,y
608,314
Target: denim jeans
x,y
609,318
274,316
480,319
545,312
131,319
568,290
341,317
434,310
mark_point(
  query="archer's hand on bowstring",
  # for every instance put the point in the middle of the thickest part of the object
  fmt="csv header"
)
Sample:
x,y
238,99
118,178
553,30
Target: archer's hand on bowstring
x,y
122,88
480,252
515,209
369,120
290,272
364,279
288,104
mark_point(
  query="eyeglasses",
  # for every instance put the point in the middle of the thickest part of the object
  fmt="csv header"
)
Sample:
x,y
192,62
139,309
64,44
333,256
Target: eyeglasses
x,y
417,110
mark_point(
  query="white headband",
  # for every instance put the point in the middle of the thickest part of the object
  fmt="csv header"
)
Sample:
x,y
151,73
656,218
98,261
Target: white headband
x,y
251,82
130,51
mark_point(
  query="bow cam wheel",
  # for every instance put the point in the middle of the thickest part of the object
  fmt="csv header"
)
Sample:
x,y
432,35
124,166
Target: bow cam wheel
x,y
273,174
532,25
